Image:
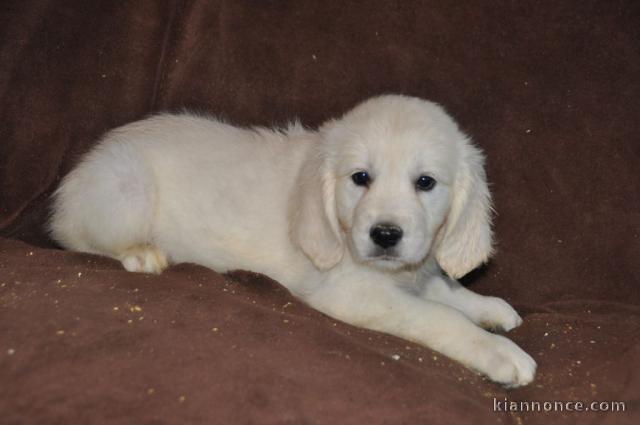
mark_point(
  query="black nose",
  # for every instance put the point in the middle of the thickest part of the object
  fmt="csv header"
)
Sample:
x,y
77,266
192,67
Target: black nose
x,y
385,235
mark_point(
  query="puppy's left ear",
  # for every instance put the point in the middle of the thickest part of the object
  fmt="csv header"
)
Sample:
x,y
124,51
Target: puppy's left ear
x,y
312,212
466,239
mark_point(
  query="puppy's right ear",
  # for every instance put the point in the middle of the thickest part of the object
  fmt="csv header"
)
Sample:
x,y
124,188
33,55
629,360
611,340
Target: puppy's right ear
x,y
313,218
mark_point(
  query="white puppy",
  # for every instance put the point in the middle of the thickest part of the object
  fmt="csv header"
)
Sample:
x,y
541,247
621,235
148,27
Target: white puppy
x,y
356,219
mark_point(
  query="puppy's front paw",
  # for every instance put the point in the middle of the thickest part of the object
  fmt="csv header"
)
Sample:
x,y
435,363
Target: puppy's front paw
x,y
496,313
144,259
504,362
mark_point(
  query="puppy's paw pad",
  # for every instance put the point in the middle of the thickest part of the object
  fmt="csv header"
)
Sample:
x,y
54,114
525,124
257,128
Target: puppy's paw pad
x,y
508,364
498,314
144,259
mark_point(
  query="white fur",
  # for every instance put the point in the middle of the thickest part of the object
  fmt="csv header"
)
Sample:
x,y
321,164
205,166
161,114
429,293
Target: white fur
x,y
176,188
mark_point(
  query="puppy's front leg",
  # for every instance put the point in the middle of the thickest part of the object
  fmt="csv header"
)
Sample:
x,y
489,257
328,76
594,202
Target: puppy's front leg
x,y
488,312
383,307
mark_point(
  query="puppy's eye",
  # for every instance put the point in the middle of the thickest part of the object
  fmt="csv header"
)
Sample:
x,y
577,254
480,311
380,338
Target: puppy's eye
x,y
425,183
361,178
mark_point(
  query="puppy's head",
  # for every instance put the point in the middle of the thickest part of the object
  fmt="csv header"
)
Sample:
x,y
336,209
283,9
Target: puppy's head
x,y
395,181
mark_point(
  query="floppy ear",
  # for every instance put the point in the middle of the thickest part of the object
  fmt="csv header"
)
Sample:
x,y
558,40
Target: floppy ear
x,y
466,238
312,210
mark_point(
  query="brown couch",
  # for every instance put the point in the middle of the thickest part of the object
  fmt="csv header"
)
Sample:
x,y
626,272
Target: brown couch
x,y
550,91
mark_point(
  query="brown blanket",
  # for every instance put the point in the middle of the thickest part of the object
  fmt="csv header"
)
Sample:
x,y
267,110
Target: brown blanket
x,y
550,91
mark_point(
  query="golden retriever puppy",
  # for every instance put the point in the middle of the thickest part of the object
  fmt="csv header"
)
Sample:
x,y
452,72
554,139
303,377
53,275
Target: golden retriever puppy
x,y
358,219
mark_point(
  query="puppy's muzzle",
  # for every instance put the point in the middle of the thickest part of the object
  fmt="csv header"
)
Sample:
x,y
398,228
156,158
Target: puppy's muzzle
x,y
386,235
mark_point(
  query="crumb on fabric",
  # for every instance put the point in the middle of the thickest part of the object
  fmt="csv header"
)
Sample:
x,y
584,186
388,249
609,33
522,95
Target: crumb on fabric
x,y
395,357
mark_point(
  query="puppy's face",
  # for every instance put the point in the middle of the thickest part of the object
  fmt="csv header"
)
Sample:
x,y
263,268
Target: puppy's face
x,y
394,165
393,181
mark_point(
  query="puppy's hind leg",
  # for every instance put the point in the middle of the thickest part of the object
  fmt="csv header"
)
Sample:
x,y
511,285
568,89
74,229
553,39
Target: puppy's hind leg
x,y
107,206
144,258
